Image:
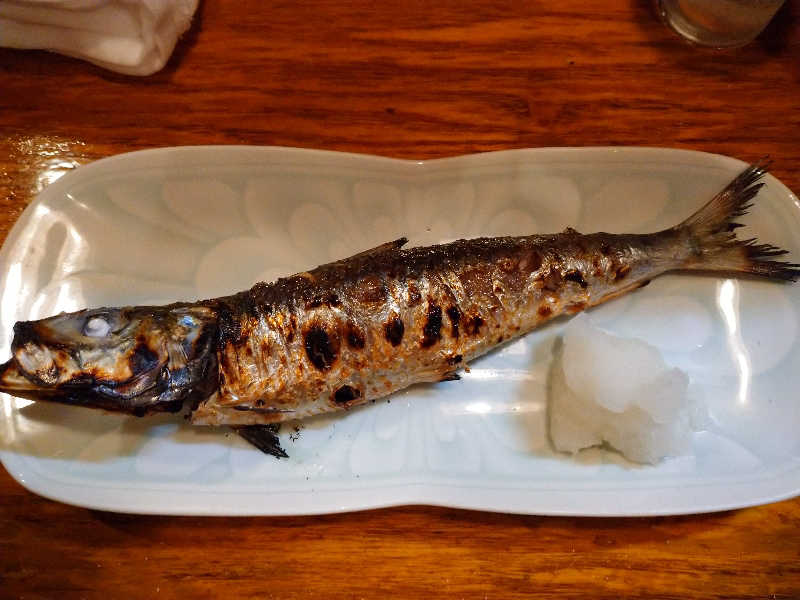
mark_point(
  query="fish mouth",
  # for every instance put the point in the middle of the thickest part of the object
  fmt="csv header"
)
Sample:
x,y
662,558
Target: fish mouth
x,y
13,381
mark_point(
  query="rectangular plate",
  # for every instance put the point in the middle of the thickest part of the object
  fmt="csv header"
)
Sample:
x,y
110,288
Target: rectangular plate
x,y
185,223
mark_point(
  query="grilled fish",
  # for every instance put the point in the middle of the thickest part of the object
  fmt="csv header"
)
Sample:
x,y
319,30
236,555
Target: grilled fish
x,y
358,329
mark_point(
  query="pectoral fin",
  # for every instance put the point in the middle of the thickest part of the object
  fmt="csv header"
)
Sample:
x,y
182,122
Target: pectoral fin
x,y
451,376
263,437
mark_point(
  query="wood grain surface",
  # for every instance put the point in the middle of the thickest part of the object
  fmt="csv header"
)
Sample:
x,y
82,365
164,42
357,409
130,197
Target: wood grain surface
x,y
406,79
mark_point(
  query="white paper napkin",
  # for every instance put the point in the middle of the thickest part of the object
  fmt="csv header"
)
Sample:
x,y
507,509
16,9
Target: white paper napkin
x,y
135,37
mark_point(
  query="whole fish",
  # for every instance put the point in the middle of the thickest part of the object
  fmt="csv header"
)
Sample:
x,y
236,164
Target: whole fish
x,y
358,329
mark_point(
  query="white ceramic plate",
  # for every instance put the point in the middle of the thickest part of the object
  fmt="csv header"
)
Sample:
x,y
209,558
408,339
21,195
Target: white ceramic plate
x,y
185,223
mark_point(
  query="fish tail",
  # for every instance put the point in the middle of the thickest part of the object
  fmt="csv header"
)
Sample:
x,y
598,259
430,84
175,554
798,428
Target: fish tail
x,y
712,233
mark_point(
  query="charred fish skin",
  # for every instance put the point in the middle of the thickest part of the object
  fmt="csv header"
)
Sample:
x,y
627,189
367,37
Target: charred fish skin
x,y
354,331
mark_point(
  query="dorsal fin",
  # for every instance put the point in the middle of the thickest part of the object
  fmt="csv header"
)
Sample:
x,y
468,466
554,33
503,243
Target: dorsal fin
x,y
385,247
392,246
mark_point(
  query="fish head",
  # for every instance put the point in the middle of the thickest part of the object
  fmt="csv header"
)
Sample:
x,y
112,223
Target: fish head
x,y
137,360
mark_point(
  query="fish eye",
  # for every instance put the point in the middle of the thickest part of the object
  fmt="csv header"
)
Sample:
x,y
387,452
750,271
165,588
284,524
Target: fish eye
x,y
96,327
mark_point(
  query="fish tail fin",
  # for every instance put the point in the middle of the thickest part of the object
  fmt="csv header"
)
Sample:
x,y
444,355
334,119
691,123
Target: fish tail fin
x,y
712,233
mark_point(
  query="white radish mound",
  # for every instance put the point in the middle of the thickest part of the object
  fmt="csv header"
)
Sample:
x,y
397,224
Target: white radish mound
x,y
618,391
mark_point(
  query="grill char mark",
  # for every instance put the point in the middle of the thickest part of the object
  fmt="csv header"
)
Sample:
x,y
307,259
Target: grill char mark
x,y
393,330
320,348
432,331
455,317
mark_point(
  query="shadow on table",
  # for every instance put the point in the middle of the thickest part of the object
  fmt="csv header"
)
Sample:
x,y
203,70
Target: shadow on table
x,y
414,522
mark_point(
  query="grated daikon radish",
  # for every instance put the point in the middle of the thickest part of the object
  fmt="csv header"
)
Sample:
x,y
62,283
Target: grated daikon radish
x,y
619,391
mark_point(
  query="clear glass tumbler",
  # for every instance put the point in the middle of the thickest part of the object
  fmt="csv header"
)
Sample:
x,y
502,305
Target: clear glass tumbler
x,y
718,23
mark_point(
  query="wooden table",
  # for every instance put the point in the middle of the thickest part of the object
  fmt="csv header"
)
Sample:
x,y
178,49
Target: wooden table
x,y
405,79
